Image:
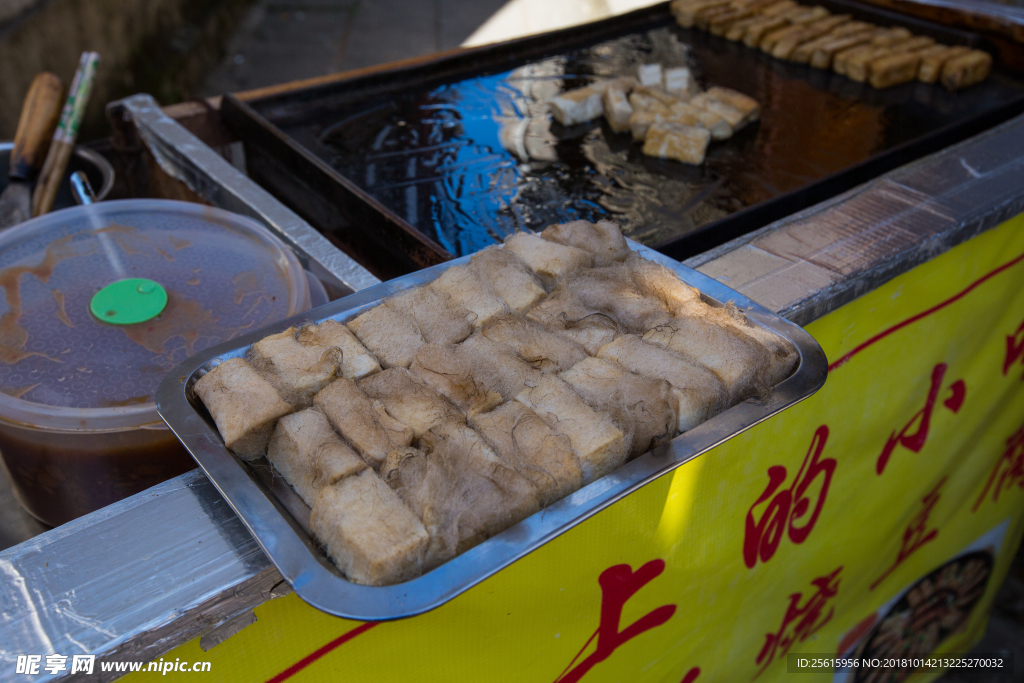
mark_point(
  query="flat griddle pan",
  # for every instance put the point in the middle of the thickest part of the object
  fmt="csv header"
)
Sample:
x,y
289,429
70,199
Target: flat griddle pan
x,y
820,134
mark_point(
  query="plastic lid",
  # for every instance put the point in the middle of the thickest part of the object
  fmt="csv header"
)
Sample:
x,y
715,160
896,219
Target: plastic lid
x,y
86,333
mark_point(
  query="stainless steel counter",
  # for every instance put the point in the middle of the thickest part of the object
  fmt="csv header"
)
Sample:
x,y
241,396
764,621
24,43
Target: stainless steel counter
x,y
134,580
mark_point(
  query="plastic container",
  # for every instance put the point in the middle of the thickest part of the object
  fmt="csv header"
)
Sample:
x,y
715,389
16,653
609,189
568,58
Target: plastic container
x,y
78,423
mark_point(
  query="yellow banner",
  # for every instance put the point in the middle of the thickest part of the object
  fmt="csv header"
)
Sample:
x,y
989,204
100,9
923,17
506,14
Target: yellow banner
x,y
877,518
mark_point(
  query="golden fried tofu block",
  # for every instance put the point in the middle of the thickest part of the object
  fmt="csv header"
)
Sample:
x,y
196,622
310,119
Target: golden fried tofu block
x,y
617,108
737,29
756,31
739,362
362,421
640,406
534,343
803,15
679,80
663,283
735,117
640,121
689,115
779,8
686,12
309,454
822,55
244,406
474,293
649,74
667,140
548,260
414,405
460,489
529,446
894,70
803,52
447,370
369,533
699,392
600,446
389,334
787,44
439,319
296,370
496,366
966,70
750,107
577,106
933,59
602,239
641,101
356,361
509,277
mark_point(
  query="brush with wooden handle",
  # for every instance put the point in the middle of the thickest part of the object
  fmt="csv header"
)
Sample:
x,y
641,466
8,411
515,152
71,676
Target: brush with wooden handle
x,y
64,137
39,115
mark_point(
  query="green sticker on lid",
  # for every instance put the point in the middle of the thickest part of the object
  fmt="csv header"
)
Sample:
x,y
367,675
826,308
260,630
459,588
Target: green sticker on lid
x,y
130,301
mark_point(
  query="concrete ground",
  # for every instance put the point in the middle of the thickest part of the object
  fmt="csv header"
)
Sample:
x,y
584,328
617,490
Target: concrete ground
x,y
285,40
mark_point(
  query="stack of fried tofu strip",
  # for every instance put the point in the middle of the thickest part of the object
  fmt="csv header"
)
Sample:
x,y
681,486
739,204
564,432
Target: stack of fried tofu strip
x,y
663,108
449,412
882,57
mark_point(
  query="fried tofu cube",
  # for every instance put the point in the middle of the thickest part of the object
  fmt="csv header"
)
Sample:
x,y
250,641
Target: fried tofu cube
x,y
296,370
748,106
686,12
779,8
244,406
649,74
642,407
577,106
785,46
687,144
602,239
700,394
369,533
362,421
757,31
446,370
679,80
640,122
600,446
804,15
534,343
474,293
719,24
414,405
735,117
548,260
497,367
356,361
439,319
825,52
389,334
736,30
966,70
641,101
934,58
782,355
509,277
529,446
689,115
309,454
664,284
617,108
894,70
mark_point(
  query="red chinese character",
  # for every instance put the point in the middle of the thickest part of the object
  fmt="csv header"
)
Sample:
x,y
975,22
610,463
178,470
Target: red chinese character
x,y
691,675
917,533
618,585
1014,349
1009,469
790,506
914,441
800,621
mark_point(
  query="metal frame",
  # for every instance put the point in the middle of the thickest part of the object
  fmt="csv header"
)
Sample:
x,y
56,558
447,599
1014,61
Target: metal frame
x,y
265,509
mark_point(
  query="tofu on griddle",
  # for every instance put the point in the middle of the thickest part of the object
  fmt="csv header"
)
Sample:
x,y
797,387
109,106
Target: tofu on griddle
x,y
822,55
649,74
787,44
373,537
244,406
679,80
577,106
356,361
755,32
748,106
686,11
894,70
529,446
735,117
364,423
309,454
934,58
966,70
600,446
617,108
676,141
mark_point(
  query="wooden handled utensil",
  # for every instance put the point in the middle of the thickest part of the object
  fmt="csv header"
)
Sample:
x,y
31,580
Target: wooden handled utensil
x,y
39,115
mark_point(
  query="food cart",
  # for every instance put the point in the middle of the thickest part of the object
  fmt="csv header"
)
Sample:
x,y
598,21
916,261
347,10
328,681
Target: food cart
x,y
880,513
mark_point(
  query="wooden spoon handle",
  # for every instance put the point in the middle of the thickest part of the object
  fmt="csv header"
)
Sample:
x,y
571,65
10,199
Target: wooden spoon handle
x,y
39,115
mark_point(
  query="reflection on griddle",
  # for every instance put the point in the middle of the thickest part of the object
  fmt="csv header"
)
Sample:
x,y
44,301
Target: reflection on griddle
x,y
472,161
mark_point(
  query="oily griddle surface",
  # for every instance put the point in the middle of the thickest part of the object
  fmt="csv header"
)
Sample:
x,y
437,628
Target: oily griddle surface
x,y
469,161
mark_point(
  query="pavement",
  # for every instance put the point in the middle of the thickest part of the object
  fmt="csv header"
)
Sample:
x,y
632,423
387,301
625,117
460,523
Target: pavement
x,y
285,40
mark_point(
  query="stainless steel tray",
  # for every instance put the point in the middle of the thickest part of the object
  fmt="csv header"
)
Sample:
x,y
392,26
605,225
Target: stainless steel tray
x,y
278,518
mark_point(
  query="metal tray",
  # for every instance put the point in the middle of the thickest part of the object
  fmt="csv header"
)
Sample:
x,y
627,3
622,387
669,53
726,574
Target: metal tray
x,y
446,168
278,518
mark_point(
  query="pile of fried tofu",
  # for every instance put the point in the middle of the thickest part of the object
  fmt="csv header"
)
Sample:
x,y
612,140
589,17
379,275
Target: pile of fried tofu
x,y
448,413
663,108
863,52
